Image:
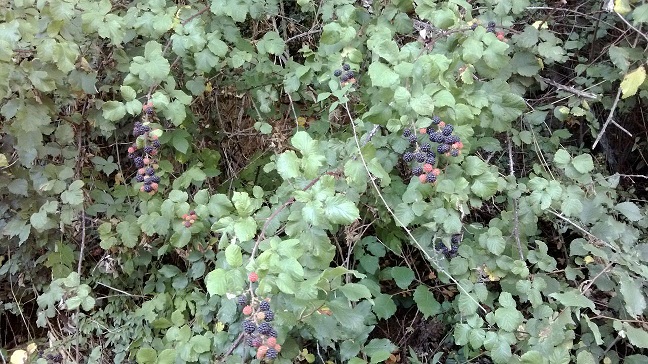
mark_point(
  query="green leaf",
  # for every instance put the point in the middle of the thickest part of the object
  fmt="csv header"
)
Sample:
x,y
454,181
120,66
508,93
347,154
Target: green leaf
x,y
637,337
271,43
583,163
501,353
379,350
200,344
585,357
632,81
288,165
630,210
382,76
403,276
129,233
181,238
571,207
355,291
532,357
128,93
216,282
473,166
339,210
493,241
234,256
384,306
245,228
167,356
146,356
619,56
508,318
632,291
573,298
425,302
113,110
180,142
422,104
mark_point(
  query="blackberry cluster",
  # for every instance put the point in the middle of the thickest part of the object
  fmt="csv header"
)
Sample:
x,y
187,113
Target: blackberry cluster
x,y
455,240
425,155
345,74
142,152
190,219
260,333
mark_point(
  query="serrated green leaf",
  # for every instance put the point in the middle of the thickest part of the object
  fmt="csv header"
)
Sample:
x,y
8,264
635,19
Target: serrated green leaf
x,y
632,291
630,210
113,110
245,228
288,165
425,302
637,337
379,350
403,276
233,255
146,356
384,306
508,318
382,76
583,163
355,291
473,166
216,282
339,210
573,298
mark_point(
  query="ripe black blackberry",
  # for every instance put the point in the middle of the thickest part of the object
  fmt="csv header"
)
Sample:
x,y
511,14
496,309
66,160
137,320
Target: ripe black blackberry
x,y
474,26
271,353
430,178
148,188
420,157
150,171
156,143
139,178
425,147
155,179
148,149
491,24
408,156
269,315
437,137
451,139
417,171
454,153
407,132
346,67
249,326
249,341
242,300
350,75
447,130
265,328
264,306
430,159
456,239
344,78
139,162
337,73
443,148
273,333
436,120
413,139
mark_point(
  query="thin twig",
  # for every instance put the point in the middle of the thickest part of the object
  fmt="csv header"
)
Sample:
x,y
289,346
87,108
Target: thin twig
x,y
583,94
391,212
233,346
609,118
516,218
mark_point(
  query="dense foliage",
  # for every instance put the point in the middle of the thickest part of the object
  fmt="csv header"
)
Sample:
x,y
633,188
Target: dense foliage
x,y
323,181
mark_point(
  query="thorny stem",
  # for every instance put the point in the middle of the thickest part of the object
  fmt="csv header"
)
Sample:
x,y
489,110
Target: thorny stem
x,y
516,218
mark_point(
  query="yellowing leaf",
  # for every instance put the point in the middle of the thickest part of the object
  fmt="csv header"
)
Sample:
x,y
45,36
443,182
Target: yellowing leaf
x,y
32,347
537,24
622,7
588,259
18,357
632,81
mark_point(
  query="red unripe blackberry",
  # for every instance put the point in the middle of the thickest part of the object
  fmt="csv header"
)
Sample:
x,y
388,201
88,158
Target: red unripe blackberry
x,y
147,161
261,352
185,217
436,171
422,178
272,341
427,168
187,224
253,277
247,310
260,316
131,150
277,347
423,130
141,171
